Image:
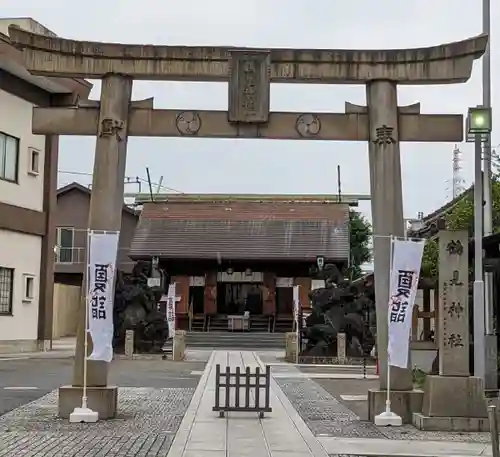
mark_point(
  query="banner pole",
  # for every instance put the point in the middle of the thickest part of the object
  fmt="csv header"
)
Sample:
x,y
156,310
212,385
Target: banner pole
x,y
388,399
84,414
387,417
86,342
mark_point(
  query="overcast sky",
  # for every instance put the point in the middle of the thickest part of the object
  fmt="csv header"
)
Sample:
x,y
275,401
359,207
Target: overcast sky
x,y
264,166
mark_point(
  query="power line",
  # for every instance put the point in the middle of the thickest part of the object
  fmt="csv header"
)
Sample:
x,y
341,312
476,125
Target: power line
x,y
128,179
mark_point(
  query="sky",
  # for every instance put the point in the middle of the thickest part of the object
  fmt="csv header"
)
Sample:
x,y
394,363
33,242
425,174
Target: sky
x,y
267,166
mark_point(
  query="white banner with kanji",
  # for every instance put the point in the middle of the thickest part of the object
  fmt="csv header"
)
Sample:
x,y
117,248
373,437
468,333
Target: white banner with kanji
x,y
404,276
171,299
102,252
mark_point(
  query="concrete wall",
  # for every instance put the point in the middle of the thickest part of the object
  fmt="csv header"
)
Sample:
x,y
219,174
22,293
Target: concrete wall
x,y
66,300
18,332
15,120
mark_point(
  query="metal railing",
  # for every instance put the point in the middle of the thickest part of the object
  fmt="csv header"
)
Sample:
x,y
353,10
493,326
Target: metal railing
x,y
76,255
71,255
251,385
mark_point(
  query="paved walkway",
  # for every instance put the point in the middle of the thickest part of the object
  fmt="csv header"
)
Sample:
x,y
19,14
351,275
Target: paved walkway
x,y
203,434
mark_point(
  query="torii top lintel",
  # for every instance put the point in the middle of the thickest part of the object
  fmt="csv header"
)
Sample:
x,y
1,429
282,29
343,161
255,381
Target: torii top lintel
x,y
444,64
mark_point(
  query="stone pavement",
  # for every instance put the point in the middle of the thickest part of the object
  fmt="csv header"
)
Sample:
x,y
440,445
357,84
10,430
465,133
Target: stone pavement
x,y
279,434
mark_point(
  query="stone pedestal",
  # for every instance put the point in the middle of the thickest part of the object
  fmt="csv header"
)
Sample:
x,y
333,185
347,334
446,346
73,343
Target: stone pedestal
x,y
341,348
291,347
179,345
104,400
453,403
403,402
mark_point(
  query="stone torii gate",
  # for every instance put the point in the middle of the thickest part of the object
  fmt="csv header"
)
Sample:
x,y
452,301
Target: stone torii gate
x,y
249,73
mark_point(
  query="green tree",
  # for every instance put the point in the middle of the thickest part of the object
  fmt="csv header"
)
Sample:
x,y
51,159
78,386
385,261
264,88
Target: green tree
x,y
461,216
430,259
360,233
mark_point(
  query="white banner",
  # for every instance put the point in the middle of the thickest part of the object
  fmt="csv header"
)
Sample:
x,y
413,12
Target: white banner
x,y
404,276
102,252
171,299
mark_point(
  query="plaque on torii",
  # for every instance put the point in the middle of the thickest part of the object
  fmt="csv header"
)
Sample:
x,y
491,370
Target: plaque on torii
x,y
249,73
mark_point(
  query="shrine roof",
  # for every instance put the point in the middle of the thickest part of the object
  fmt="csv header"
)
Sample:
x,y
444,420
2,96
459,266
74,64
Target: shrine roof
x,y
235,229
435,221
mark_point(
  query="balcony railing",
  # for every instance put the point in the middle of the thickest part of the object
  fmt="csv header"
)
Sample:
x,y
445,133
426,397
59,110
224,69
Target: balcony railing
x,y
76,255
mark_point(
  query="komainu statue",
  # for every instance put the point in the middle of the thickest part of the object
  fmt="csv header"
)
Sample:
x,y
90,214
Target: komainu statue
x,y
340,307
136,308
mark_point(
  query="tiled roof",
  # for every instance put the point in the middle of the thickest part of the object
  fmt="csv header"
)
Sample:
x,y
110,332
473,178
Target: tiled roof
x,y
75,186
246,230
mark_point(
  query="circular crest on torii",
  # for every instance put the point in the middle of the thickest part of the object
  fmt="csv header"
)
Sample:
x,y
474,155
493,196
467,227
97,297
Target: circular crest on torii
x,y
308,125
188,123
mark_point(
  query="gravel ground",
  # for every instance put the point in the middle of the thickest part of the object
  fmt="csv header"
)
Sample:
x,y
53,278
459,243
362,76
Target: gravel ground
x,y
325,415
152,400
146,424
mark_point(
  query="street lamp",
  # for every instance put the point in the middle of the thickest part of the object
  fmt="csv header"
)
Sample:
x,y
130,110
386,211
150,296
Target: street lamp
x,y
478,127
478,124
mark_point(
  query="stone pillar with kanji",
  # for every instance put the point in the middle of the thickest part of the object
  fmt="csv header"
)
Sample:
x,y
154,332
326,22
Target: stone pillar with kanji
x,y
453,400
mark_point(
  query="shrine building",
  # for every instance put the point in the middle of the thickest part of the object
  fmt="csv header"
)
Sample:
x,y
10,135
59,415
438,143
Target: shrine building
x,y
236,253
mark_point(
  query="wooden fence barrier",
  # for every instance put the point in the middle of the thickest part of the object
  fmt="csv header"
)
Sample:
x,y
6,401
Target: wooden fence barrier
x,y
251,385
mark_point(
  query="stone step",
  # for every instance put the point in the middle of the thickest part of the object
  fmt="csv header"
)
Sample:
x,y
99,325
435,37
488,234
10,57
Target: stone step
x,y
247,340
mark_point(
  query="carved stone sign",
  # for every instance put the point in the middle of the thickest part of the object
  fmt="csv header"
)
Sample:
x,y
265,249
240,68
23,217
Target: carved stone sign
x,y
384,135
249,87
308,125
110,127
453,335
188,123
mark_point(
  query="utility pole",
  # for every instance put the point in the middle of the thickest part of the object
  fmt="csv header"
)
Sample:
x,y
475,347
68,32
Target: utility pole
x,y
490,354
486,83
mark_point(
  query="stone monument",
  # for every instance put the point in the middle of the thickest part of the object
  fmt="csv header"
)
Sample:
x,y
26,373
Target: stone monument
x,y
249,73
454,400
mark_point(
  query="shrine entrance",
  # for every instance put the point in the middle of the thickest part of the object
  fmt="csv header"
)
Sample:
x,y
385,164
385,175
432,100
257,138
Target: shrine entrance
x,y
239,292
238,298
249,74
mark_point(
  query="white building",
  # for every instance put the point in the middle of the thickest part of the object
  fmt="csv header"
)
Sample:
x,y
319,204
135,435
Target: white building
x,y
28,180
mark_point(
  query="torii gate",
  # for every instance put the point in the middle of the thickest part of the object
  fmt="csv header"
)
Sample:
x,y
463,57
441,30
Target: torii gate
x,y
249,73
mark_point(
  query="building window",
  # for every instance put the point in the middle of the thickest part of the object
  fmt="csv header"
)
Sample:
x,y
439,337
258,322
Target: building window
x,y
29,288
6,290
9,157
33,161
65,244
